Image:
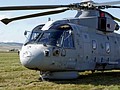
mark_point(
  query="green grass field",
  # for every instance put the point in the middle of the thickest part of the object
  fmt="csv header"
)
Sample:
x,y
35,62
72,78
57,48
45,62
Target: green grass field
x,y
13,76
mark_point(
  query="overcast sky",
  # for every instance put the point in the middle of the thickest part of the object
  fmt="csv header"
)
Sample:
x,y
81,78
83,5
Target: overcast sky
x,y
14,31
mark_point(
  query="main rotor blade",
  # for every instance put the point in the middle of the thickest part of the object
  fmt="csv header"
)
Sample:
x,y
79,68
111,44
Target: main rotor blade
x,y
8,20
117,19
32,7
108,3
112,6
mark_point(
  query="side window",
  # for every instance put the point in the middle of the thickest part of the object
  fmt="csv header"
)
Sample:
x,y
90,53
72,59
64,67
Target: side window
x,y
94,44
107,45
68,41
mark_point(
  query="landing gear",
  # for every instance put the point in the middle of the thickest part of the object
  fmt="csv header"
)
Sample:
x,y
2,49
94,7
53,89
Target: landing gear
x,y
42,76
93,71
58,75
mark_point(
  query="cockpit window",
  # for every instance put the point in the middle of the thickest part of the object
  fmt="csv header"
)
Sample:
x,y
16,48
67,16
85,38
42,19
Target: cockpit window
x,y
61,27
68,41
58,35
34,36
50,37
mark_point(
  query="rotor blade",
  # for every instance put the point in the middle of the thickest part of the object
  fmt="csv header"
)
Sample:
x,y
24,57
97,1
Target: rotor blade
x,y
8,20
117,19
32,7
108,3
112,6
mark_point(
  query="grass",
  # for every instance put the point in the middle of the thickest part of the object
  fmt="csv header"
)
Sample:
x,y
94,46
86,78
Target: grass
x,y
13,76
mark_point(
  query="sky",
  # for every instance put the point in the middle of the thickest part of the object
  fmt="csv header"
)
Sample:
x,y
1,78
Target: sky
x,y
14,32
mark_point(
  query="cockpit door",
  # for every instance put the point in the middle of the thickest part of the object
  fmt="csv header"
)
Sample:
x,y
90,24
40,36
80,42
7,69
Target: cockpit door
x,y
68,51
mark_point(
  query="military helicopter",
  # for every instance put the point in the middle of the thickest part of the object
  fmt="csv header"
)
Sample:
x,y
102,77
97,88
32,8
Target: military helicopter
x,y
61,49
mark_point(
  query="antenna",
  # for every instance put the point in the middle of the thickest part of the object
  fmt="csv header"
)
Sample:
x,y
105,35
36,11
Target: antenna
x,y
49,19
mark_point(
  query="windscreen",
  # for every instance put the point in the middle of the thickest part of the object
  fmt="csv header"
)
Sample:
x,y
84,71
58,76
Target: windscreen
x,y
50,37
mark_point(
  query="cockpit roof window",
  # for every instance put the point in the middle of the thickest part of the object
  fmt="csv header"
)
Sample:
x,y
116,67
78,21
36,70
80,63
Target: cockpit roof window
x,y
61,27
38,28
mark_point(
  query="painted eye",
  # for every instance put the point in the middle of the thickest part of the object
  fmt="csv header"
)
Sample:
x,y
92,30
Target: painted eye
x,y
27,54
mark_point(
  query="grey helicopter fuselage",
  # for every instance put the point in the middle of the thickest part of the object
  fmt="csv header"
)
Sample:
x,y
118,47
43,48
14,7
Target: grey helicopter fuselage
x,y
86,42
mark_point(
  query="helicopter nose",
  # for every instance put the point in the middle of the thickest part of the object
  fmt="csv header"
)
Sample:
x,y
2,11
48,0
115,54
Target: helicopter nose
x,y
31,58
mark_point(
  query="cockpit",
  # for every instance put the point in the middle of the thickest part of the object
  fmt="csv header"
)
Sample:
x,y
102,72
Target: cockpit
x,y
57,35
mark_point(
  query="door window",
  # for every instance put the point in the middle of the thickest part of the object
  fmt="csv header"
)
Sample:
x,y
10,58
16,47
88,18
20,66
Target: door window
x,y
68,41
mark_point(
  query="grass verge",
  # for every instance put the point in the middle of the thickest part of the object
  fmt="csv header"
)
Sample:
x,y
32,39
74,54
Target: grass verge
x,y
13,76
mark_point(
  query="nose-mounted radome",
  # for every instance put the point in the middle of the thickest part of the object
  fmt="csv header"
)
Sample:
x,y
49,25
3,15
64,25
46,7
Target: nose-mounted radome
x,y
31,56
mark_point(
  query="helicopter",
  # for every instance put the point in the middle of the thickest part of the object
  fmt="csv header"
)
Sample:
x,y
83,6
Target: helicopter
x,y
61,49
